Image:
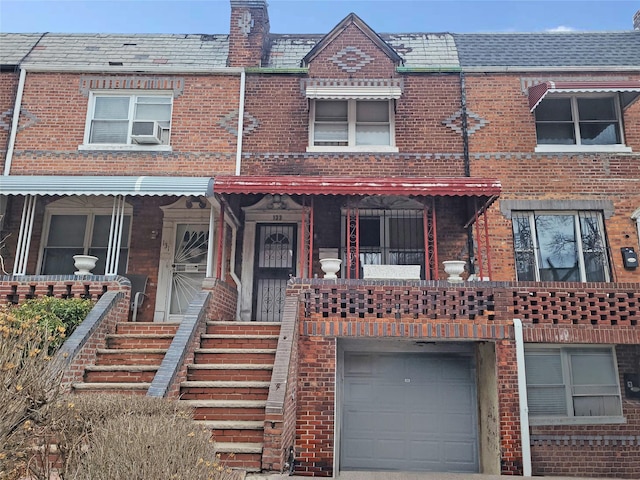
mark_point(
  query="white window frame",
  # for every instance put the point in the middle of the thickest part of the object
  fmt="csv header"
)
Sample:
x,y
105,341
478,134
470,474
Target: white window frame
x,y
578,147
565,352
129,145
351,120
90,213
532,214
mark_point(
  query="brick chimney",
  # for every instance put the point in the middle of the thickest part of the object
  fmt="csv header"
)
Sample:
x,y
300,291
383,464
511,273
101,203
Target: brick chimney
x,y
248,33
636,21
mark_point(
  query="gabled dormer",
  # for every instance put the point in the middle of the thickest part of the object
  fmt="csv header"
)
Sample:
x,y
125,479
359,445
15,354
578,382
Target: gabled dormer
x,y
351,88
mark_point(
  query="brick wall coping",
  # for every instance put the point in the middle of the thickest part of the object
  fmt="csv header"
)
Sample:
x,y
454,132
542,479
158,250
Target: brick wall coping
x,y
81,335
179,349
278,386
18,288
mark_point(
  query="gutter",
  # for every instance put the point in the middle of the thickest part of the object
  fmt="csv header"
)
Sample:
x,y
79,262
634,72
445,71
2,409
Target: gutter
x,y
14,122
443,69
131,69
566,69
522,395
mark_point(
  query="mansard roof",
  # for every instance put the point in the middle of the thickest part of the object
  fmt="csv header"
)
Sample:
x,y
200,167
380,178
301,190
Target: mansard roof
x,y
486,51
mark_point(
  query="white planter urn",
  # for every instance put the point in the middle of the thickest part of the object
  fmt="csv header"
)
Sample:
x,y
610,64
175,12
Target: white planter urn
x,y
454,268
84,264
330,266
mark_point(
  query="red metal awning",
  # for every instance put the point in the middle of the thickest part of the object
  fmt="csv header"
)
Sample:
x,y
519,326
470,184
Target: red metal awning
x,y
307,185
629,89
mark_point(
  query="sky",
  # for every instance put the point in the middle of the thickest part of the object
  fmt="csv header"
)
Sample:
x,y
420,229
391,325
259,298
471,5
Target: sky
x,y
317,16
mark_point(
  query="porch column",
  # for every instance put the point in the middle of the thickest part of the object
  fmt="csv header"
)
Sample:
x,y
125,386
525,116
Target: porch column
x,y
306,242
24,236
115,236
220,258
210,243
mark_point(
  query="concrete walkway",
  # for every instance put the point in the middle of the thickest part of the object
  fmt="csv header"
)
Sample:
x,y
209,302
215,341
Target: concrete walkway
x,y
403,476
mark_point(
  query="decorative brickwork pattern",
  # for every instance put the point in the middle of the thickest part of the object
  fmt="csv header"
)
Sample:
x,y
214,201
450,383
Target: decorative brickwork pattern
x,y
351,59
17,289
88,83
588,306
372,299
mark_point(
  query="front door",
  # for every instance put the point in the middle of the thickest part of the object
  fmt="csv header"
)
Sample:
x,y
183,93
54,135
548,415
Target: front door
x,y
275,262
188,267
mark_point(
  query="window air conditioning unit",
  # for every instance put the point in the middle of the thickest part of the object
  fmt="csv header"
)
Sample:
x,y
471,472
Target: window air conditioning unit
x,y
146,132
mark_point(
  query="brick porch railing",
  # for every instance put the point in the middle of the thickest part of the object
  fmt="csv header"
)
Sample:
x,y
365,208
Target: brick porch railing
x,y
610,304
18,288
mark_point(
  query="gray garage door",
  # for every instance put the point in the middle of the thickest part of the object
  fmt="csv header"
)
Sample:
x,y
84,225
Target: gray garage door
x,y
409,412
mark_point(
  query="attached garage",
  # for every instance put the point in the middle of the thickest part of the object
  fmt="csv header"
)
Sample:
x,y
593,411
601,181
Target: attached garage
x,y
409,412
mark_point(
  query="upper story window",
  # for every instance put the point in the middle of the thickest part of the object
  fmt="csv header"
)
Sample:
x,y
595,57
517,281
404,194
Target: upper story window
x,y
572,385
579,123
560,246
351,125
128,121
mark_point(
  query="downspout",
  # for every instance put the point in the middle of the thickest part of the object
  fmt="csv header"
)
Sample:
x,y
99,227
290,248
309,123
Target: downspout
x,y
232,266
16,109
234,228
467,162
243,81
14,122
522,395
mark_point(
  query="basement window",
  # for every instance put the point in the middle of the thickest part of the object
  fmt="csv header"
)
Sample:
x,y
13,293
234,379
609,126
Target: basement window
x,y
577,384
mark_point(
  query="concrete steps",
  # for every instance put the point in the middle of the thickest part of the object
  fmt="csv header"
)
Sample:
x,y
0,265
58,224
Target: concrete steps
x,y
228,384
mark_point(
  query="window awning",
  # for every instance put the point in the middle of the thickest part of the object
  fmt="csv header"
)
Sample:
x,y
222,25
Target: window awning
x,y
103,185
305,185
628,90
364,92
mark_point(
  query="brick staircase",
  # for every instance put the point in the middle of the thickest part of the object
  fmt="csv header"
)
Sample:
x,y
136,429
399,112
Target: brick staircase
x,y
228,384
130,360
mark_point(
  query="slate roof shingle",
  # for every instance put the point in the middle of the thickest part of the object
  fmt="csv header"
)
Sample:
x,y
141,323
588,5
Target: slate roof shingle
x,y
418,50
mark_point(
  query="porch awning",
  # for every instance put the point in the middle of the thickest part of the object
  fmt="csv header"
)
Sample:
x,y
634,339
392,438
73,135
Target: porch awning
x,y
305,185
103,185
628,90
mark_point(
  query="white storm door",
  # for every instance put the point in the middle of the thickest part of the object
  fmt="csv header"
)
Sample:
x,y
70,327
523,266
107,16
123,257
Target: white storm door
x,y
188,267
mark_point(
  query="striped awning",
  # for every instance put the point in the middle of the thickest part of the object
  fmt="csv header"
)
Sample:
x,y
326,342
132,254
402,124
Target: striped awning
x,y
628,90
103,185
307,185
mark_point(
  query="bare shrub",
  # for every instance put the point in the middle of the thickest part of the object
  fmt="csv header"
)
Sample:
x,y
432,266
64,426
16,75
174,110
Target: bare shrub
x,y
29,385
141,438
